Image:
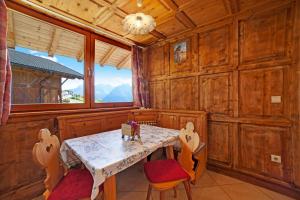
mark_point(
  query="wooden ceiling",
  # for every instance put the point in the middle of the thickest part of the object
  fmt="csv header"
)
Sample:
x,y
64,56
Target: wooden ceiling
x,y
37,35
172,16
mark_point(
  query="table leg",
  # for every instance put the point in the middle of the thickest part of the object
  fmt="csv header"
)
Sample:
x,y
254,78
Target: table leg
x,y
170,152
110,191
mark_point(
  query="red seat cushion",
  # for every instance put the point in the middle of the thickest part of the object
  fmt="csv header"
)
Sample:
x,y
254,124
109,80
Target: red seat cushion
x,y
75,185
160,171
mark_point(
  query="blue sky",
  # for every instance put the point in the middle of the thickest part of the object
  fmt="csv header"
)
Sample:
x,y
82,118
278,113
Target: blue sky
x,y
107,75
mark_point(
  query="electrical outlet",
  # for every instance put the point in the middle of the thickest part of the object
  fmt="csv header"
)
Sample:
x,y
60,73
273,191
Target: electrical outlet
x,y
276,158
275,99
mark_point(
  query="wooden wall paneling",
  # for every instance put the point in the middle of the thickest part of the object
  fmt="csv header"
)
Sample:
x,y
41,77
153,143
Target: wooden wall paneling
x,y
158,96
143,115
295,108
220,143
168,120
184,93
215,49
72,126
261,92
265,36
258,143
114,121
20,177
156,61
260,78
190,64
216,93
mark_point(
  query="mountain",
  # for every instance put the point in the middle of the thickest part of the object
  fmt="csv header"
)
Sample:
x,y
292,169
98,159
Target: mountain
x,y
121,93
108,93
101,90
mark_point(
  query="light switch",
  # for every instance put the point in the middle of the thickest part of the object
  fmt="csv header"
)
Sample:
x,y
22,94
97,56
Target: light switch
x,y
275,99
276,158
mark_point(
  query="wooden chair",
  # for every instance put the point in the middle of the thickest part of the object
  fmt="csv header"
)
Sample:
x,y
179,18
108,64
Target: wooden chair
x,y
197,147
75,184
167,174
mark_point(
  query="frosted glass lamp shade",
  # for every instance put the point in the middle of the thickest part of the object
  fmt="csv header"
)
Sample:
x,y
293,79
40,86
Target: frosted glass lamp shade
x,y
138,24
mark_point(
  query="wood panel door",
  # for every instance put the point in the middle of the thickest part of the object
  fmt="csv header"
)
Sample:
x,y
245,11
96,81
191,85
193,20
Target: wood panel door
x,y
184,93
261,92
220,143
256,144
216,93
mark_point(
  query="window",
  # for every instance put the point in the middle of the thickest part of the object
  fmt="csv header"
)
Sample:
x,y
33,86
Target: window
x,y
47,62
52,63
112,74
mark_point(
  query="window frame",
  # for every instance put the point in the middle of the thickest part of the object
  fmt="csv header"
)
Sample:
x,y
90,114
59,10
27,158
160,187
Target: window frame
x,y
89,50
95,37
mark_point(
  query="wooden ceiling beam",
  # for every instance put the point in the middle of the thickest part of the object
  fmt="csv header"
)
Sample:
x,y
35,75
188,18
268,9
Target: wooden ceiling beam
x,y
179,14
99,15
79,55
123,61
11,30
54,42
158,35
185,20
107,55
108,10
169,4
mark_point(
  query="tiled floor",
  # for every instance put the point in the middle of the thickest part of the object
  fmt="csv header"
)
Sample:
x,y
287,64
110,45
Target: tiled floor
x,y
132,185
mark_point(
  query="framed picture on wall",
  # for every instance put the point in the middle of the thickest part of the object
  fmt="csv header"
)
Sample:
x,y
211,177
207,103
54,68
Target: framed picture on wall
x,y
180,56
180,52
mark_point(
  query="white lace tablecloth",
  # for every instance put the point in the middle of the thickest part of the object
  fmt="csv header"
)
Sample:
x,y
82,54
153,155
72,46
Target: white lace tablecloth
x,y
105,154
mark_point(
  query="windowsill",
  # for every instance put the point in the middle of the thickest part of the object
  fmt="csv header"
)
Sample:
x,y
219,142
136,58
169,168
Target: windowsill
x,y
68,111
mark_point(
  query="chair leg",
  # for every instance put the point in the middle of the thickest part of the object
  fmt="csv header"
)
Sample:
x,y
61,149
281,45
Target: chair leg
x,y
175,192
149,192
162,195
187,190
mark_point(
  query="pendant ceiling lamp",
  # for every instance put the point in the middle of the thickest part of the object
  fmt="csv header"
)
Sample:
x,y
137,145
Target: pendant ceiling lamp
x,y
138,23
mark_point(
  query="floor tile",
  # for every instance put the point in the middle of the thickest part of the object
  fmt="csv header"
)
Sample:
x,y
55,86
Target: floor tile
x,y
131,195
244,191
132,179
210,193
223,179
205,181
274,195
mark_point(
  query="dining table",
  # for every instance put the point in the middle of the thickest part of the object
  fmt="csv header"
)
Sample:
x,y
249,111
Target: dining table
x,y
105,154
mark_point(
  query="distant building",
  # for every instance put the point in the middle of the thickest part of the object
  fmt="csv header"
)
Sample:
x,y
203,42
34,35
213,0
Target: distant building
x,y
36,79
